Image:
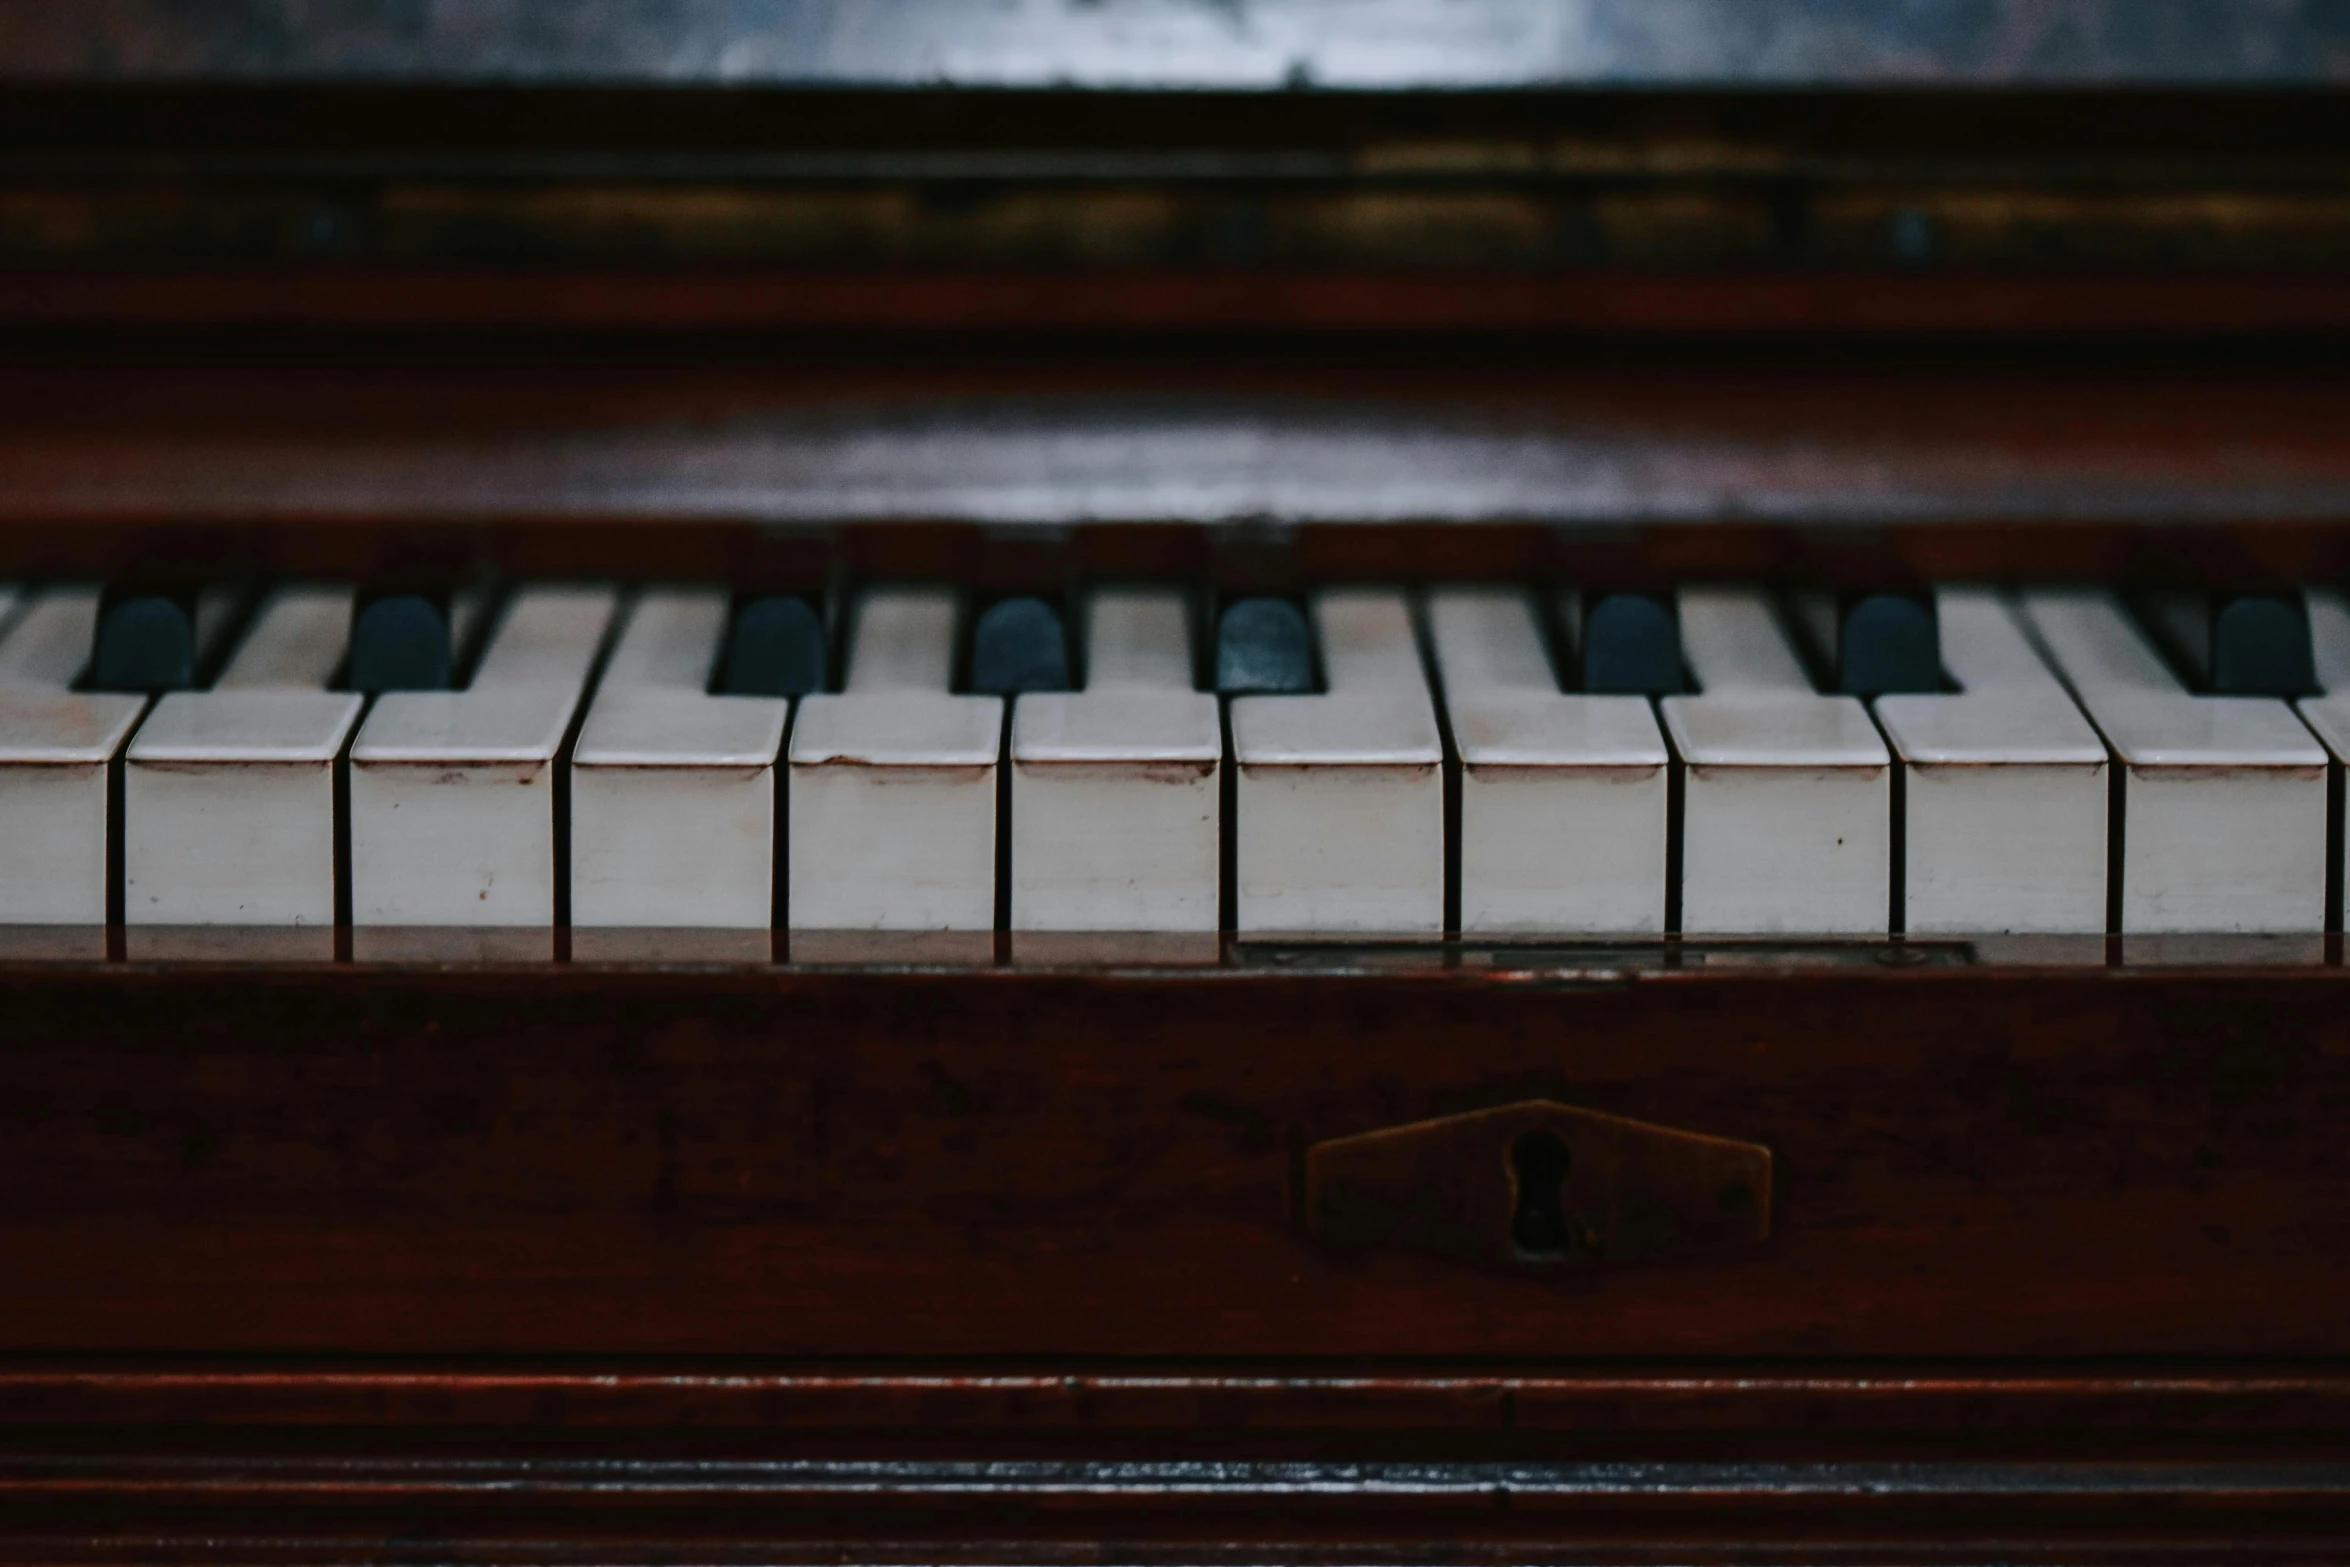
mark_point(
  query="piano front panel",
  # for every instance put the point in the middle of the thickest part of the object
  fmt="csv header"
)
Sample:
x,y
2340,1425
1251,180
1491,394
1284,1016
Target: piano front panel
x,y
1967,1161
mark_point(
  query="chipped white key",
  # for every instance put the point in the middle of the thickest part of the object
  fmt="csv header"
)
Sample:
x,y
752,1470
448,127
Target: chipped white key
x,y
1564,798
56,750
2003,785
893,782
1340,797
229,794
2329,714
2223,799
1786,818
453,792
1115,788
673,789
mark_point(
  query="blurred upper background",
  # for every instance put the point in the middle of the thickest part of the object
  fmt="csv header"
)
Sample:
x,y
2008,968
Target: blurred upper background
x,y
1316,261
1189,44
1185,163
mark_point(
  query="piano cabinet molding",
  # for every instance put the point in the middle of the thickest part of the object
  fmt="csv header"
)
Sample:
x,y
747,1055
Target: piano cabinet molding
x,y
1851,1400
203,461
506,1505
566,1160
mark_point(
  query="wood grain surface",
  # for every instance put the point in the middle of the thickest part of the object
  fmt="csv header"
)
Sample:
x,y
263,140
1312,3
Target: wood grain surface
x,y
1970,1162
367,1262
602,445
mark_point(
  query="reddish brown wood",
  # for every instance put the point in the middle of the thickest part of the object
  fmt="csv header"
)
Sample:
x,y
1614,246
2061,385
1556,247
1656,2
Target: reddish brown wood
x,y
959,1253
1722,464
1075,1398
1647,303
467,1503
565,1160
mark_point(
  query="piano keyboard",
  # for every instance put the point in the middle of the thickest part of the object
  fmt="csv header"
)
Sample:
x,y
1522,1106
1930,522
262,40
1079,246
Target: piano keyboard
x,y
1720,760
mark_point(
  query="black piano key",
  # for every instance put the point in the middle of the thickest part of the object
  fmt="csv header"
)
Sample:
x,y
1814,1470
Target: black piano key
x,y
1263,647
1887,643
146,641
1631,645
774,647
2234,643
401,642
2260,646
1017,645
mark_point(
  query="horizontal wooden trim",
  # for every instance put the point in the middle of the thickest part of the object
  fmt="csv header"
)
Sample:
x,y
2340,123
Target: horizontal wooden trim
x,y
718,1482
1926,302
1080,1397
1270,437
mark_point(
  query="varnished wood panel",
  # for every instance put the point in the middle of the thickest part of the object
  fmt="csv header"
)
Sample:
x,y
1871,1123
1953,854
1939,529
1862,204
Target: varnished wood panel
x,y
1523,294
574,1161
1270,1406
602,440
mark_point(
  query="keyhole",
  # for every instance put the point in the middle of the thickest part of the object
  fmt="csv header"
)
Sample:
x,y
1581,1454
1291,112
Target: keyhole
x,y
1539,1226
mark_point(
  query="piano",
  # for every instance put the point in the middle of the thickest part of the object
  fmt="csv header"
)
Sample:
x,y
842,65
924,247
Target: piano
x,y
1285,782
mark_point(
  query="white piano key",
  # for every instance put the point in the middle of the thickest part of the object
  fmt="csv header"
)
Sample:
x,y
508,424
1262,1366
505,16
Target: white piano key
x,y
56,781
1340,797
294,644
1115,788
892,820
2003,786
2223,798
673,789
1564,798
229,794
47,647
453,792
2329,714
2329,640
1786,807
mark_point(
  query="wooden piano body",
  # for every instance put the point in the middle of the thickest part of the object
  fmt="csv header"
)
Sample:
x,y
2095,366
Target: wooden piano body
x,y
1054,1248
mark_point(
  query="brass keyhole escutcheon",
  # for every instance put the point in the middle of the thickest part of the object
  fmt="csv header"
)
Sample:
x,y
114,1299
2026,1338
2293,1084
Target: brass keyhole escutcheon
x,y
1538,1186
1539,1162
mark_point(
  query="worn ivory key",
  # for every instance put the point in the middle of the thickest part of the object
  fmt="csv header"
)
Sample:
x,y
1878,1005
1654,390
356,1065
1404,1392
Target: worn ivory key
x,y
1563,796
56,750
2004,785
893,782
2222,799
1787,794
1340,796
673,790
1115,803
453,792
229,794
